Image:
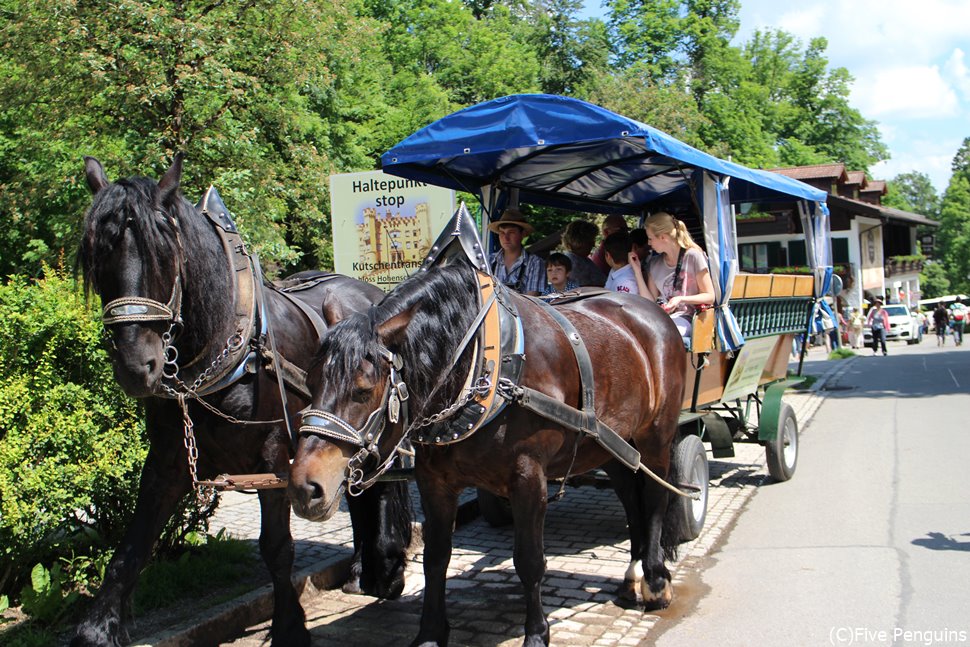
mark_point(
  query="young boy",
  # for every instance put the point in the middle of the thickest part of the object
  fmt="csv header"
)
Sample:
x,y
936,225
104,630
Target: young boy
x,y
616,250
558,267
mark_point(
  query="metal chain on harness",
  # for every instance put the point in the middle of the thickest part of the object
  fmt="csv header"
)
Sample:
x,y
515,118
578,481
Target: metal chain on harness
x,y
203,493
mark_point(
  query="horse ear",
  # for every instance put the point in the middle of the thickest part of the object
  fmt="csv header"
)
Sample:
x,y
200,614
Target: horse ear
x,y
94,172
393,329
333,309
169,184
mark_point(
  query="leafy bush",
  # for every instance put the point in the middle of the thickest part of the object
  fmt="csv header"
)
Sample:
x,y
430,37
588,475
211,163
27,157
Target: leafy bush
x,y
71,443
71,449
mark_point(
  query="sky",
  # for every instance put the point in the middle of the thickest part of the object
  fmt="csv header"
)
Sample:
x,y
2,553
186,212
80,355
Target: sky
x,y
911,64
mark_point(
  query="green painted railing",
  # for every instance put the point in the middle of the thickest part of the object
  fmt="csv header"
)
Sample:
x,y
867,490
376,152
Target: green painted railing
x,y
772,316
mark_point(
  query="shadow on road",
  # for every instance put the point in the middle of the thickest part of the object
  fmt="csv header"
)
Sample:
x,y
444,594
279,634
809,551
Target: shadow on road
x,y
939,541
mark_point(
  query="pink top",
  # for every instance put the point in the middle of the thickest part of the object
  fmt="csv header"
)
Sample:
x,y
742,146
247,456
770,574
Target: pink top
x,y
663,277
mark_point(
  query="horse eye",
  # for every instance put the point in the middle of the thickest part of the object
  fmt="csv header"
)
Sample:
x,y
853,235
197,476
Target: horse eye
x,y
360,393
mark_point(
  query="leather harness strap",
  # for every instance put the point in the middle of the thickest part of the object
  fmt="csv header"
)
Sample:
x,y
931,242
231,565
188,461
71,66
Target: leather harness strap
x,y
583,421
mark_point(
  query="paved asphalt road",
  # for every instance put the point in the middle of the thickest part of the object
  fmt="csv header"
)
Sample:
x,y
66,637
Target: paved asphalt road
x,y
870,543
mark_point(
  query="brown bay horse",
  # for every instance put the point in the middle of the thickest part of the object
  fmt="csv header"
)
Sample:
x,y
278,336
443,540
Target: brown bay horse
x,y
172,315
412,338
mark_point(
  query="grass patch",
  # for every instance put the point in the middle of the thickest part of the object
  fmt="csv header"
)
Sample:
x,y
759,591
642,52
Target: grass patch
x,y
808,381
28,634
220,565
842,353
200,570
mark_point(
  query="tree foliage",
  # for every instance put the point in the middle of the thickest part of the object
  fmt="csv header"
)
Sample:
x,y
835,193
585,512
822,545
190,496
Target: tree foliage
x,y
953,238
261,96
268,98
913,192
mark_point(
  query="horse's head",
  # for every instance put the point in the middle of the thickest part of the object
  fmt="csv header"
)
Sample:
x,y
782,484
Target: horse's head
x,y
352,424
131,256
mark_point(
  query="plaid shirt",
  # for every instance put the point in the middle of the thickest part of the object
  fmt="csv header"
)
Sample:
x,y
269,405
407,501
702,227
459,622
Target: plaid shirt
x,y
528,273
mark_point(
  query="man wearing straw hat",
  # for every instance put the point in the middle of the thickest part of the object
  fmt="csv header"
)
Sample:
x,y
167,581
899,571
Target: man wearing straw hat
x,y
512,265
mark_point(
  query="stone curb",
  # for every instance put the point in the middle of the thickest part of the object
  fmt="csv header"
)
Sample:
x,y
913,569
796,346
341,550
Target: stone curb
x,y
227,620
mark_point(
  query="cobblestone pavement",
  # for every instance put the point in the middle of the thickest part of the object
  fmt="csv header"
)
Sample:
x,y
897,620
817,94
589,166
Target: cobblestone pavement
x,y
587,554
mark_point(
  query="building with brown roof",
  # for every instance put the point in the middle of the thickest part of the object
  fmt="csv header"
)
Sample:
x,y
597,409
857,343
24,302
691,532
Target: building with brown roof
x,y
874,248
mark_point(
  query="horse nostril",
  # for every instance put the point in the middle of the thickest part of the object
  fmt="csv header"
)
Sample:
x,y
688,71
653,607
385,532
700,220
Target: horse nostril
x,y
152,365
313,490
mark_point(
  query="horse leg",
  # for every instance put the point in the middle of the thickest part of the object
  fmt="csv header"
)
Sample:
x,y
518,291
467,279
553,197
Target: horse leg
x,y
440,505
655,588
627,488
381,519
276,548
159,490
527,494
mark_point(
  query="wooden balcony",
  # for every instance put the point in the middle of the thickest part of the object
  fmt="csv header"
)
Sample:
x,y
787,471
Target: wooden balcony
x,y
903,265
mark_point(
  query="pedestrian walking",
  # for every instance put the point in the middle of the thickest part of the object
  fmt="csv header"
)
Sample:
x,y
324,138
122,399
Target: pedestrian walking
x,y
958,317
941,321
856,322
878,321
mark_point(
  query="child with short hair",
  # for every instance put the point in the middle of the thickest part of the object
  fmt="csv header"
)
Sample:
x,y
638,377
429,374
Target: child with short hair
x,y
558,267
616,250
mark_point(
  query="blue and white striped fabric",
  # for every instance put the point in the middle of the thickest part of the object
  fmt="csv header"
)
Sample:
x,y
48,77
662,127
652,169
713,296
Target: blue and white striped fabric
x,y
818,245
720,236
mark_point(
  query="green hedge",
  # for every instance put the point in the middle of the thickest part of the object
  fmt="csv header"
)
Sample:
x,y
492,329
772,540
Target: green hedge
x,y
71,443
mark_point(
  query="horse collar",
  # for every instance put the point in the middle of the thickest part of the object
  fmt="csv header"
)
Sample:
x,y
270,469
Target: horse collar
x,y
238,353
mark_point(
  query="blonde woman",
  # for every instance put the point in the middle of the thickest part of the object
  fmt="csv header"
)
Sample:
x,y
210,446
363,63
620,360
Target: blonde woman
x,y
677,276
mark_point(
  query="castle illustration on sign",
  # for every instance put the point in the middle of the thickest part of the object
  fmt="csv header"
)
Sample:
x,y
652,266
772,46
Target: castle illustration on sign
x,y
391,241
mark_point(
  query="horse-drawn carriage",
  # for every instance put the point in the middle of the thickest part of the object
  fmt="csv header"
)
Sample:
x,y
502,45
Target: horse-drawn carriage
x,y
504,392
559,152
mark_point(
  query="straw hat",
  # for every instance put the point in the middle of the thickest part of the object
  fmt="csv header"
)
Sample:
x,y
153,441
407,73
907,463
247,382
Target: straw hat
x,y
512,216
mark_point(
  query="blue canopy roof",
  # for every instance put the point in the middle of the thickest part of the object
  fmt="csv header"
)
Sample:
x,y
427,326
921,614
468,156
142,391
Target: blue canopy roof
x,y
568,153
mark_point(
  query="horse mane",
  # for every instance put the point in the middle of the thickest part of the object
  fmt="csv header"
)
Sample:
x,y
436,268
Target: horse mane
x,y
444,303
116,208
134,204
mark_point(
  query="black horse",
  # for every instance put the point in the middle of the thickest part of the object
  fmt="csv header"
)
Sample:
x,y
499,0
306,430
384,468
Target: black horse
x,y
414,347
188,340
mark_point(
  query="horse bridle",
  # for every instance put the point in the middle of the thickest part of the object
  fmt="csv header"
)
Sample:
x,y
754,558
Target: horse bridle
x,y
393,404
138,309
367,437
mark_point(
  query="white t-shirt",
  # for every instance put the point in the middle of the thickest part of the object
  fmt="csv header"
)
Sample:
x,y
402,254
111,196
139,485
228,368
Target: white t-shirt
x,y
622,280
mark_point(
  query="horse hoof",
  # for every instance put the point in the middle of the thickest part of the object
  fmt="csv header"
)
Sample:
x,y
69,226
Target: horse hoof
x,y
627,590
352,587
656,601
299,638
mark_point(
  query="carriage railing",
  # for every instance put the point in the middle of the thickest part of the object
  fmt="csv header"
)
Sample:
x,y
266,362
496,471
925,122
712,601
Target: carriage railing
x,y
772,304
769,316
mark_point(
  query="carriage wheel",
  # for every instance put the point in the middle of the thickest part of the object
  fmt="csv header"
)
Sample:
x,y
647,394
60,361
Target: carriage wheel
x,y
782,452
690,460
496,510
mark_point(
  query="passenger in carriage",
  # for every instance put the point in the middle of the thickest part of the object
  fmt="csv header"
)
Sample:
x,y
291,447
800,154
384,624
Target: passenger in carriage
x,y
622,278
579,238
513,265
678,277
558,273
612,224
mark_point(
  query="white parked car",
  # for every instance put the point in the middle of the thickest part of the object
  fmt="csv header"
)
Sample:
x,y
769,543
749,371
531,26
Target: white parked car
x,y
904,325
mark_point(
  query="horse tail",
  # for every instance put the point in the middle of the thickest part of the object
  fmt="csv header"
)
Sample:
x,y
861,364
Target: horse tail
x,y
400,513
674,526
382,521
